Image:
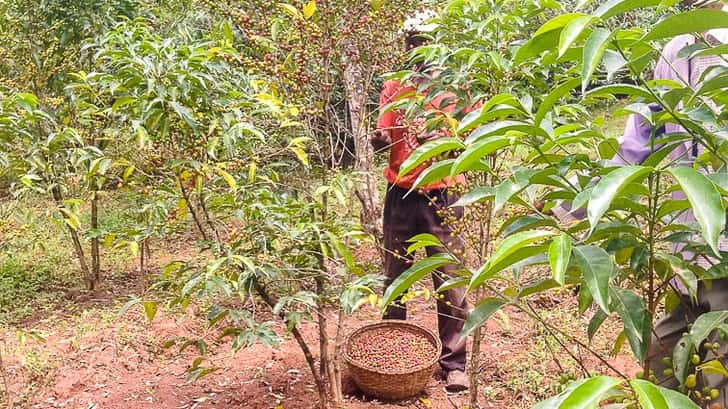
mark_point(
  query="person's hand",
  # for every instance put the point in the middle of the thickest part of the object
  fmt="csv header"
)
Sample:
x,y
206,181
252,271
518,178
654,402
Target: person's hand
x,y
427,137
380,140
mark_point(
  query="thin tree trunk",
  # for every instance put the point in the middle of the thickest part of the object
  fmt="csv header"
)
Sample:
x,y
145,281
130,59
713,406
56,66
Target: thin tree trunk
x,y
323,335
318,380
208,218
95,256
356,95
193,212
337,396
78,248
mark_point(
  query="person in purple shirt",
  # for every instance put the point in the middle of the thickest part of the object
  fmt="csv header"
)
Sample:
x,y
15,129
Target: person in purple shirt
x,y
634,148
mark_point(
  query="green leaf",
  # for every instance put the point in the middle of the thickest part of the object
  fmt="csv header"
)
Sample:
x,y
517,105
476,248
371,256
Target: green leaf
x,y
596,268
596,322
559,256
615,7
508,247
705,324
572,31
681,354
475,195
434,173
413,274
585,394
184,113
648,395
705,201
609,187
619,89
428,151
423,240
480,314
477,151
553,97
695,21
594,49
636,320
559,22
677,400
125,308
502,127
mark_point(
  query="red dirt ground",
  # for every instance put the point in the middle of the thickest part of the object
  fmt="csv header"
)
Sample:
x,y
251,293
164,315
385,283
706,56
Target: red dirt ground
x,y
97,360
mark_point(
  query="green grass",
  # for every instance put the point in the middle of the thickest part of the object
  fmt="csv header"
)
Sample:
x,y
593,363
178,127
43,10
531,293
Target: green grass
x,y
38,265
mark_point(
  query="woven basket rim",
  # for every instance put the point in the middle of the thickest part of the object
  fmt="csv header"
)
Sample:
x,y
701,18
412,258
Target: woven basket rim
x,y
393,323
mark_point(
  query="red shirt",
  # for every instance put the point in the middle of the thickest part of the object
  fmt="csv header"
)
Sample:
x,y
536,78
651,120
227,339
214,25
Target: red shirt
x,y
404,140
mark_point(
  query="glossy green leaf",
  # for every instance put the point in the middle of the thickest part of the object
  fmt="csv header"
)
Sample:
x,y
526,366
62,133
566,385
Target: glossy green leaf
x,y
705,201
705,324
480,314
553,97
428,151
559,256
681,354
614,7
475,195
609,187
413,274
597,268
477,151
572,31
585,394
594,49
508,247
694,21
648,394
434,173
677,400
617,90
636,320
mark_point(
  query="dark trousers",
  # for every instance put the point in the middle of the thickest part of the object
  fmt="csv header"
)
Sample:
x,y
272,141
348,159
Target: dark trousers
x,y
405,217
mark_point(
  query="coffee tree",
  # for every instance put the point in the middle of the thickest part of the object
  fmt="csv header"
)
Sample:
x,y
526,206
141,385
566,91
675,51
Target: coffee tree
x,y
622,257
220,141
326,58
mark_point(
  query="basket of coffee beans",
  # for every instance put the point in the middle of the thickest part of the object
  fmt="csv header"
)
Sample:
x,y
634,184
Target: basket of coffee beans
x,y
392,359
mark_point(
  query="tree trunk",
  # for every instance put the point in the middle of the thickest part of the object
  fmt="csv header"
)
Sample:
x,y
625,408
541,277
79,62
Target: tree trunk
x,y
191,208
78,248
337,396
356,95
318,380
475,363
95,255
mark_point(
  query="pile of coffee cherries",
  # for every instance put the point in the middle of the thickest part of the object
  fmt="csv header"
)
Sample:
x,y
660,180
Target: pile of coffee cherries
x,y
391,350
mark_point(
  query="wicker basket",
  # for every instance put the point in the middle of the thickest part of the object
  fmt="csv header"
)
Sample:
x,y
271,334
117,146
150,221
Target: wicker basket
x,y
392,385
